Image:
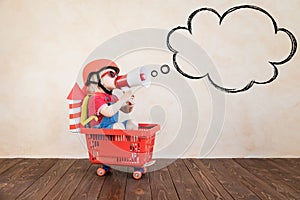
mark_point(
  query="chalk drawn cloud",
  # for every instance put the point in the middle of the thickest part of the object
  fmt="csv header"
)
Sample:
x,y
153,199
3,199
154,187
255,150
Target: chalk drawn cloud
x,y
274,64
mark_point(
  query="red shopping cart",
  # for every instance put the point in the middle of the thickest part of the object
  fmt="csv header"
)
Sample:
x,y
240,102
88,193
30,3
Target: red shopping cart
x,y
112,146
132,148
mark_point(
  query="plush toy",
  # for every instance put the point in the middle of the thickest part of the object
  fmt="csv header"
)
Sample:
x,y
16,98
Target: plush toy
x,y
100,108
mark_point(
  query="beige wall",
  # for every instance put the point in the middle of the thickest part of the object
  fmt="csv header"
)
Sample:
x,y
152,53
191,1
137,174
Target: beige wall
x,y
45,43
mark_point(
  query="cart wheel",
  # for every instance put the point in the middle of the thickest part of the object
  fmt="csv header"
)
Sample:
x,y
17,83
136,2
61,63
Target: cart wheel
x,y
137,175
100,171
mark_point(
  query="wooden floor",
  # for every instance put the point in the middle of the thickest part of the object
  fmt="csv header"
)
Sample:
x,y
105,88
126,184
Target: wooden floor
x,y
183,179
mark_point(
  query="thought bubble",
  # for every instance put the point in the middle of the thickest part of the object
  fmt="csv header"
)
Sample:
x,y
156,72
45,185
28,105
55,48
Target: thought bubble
x,y
271,66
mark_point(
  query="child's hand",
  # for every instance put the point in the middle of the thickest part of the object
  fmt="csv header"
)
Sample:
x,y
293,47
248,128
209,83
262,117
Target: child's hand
x,y
131,101
130,104
126,96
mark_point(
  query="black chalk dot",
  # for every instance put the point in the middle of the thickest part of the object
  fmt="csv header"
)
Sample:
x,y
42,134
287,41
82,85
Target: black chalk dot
x,y
154,73
165,69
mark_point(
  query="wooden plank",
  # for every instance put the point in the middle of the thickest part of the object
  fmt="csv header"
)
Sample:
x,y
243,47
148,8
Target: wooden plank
x,y
208,188
138,189
10,169
19,177
210,175
289,165
288,172
114,185
69,181
227,178
161,185
45,183
256,185
8,163
265,171
90,186
2,160
185,185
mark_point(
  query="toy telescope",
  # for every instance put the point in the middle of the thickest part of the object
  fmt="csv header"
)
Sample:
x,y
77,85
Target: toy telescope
x,y
136,77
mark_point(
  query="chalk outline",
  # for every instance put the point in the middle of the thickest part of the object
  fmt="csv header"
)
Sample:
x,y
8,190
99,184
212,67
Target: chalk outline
x,y
221,17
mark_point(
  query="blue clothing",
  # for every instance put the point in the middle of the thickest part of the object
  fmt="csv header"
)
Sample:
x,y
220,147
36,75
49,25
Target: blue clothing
x,y
108,122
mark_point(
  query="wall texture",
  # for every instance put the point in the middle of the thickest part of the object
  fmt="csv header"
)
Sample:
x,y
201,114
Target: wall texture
x,y
44,45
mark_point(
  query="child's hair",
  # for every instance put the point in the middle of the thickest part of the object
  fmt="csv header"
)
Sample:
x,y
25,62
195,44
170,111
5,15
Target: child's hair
x,y
92,87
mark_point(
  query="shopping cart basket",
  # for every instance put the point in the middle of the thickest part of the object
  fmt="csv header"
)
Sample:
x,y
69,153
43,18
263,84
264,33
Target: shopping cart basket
x,y
121,147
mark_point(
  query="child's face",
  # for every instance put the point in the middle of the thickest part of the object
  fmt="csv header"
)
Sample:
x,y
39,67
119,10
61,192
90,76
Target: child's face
x,y
108,79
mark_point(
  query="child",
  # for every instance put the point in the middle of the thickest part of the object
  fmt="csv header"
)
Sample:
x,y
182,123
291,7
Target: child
x,y
100,81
